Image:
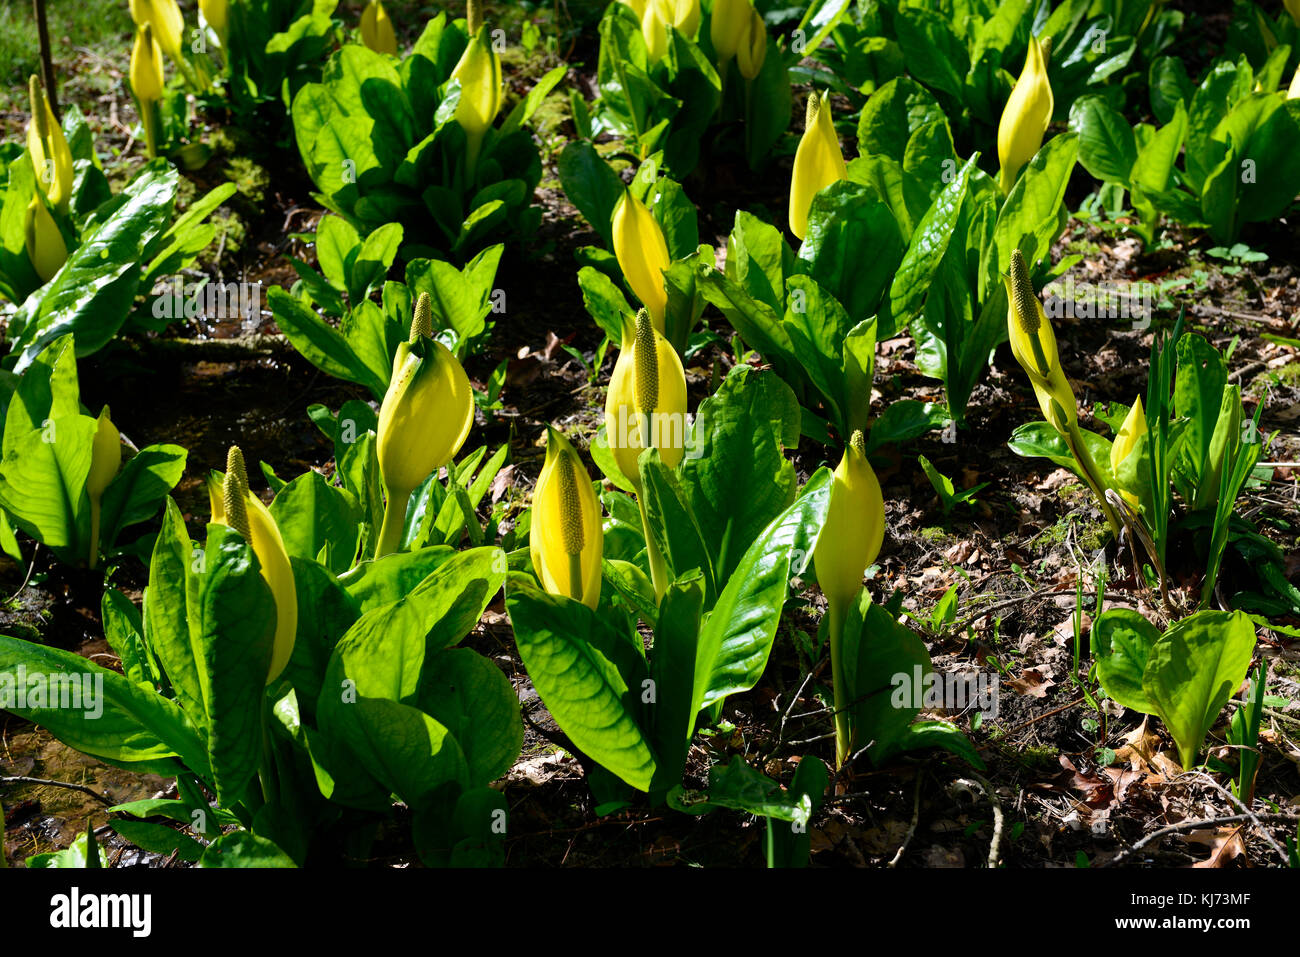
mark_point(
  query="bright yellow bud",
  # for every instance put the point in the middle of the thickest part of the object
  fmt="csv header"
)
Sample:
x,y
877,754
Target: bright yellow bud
x,y
1033,343
646,403
105,456
105,460
216,13
636,6
566,540
854,529
45,246
479,73
654,29
753,49
682,15
728,26
377,30
164,17
423,421
1133,428
642,254
817,163
1026,116
51,157
1293,91
146,67
236,507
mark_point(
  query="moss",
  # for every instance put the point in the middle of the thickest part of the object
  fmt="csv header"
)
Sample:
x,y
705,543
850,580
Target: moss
x,y
933,533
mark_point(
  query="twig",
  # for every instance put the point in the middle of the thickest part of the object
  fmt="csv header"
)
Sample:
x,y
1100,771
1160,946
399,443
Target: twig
x,y
976,781
106,801
1196,825
916,817
1202,776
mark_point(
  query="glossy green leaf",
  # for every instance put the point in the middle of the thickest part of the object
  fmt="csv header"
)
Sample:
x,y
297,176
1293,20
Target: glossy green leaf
x,y
1193,670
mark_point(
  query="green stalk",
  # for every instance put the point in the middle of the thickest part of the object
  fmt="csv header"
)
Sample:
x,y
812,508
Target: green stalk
x,y
837,615
1091,475
93,558
390,533
152,119
658,569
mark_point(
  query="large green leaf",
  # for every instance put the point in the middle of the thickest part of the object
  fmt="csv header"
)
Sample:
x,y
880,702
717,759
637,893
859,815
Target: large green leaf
x,y
1107,146
672,722
474,700
737,635
1121,642
166,623
232,630
315,517
738,440
97,711
43,481
92,294
584,670
1193,670
140,488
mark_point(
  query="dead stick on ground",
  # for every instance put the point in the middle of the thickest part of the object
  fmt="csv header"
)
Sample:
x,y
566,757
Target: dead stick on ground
x,y
106,801
916,817
975,781
1197,825
1205,778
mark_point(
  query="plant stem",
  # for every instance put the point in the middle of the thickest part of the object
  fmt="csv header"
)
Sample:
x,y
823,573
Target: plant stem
x,y
837,615
47,59
390,533
1091,475
95,510
658,570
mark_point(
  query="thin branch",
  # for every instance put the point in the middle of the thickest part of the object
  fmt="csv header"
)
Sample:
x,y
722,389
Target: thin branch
x,y
106,801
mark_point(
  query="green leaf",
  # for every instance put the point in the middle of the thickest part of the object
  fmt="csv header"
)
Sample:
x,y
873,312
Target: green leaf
x,y
1193,670
320,343
737,635
474,700
43,481
884,660
166,607
314,516
140,488
1107,146
375,584
573,657
1121,642
159,839
232,630
244,849
1033,209
926,249
92,294
591,186
738,441
124,632
672,722
94,710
